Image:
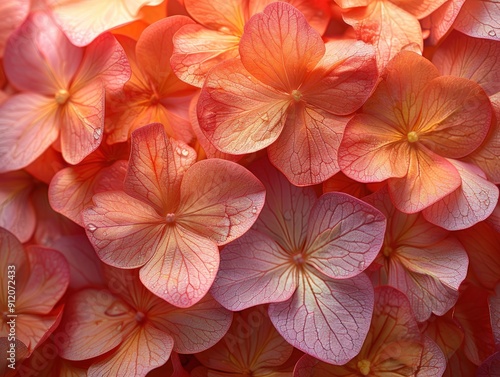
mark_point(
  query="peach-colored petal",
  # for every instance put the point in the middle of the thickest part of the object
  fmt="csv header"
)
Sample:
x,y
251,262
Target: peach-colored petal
x,y
279,47
340,182
143,350
84,21
12,253
17,214
220,200
385,25
419,8
254,270
95,322
475,59
183,267
237,113
124,231
227,15
352,3
429,179
104,60
83,123
445,332
47,283
28,125
156,168
473,202
306,150
344,235
441,20
14,13
479,19
197,50
39,57
340,309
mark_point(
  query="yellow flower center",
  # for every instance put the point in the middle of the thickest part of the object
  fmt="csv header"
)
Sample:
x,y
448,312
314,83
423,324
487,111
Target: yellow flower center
x,y
364,367
387,250
61,96
412,137
296,95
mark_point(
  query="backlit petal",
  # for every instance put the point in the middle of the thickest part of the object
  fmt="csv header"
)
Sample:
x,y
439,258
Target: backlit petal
x,y
215,15
14,12
344,235
220,200
254,270
479,19
279,47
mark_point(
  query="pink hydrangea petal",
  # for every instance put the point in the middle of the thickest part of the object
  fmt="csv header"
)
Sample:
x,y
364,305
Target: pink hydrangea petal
x,y
441,20
494,304
157,165
14,12
471,203
326,318
39,57
220,200
306,150
237,113
344,235
124,231
254,270
479,19
433,362
143,350
95,322
279,47
490,366
28,125
183,267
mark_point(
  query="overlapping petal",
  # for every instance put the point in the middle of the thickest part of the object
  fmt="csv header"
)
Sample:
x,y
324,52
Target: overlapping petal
x,y
478,19
15,13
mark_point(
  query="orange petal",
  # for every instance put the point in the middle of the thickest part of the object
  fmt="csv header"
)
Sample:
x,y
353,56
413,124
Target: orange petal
x,y
227,15
419,8
280,48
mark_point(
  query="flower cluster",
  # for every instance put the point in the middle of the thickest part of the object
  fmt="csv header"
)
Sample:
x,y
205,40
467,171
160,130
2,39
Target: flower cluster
x,y
250,188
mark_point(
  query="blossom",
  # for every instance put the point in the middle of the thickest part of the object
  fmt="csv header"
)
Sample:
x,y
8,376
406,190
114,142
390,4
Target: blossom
x,y
172,214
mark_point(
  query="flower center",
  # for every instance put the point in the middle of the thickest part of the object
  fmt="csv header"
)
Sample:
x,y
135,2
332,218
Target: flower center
x,y
170,218
299,259
297,96
364,367
140,317
387,250
61,96
412,137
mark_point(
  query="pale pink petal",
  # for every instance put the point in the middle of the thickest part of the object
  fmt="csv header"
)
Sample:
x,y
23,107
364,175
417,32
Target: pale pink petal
x,y
104,60
254,270
237,113
306,150
84,265
441,20
143,350
344,235
220,200
12,254
326,318
124,231
71,189
433,362
17,214
344,78
475,59
157,165
429,179
83,123
471,203
28,126
285,215
183,267
33,330
479,19
47,283
14,12
197,50
280,48
419,8
195,329
39,57
83,22
94,323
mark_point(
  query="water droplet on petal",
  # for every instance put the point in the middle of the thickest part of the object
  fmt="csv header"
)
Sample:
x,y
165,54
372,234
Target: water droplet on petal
x,y
265,117
91,228
370,218
254,210
224,29
287,215
361,265
184,153
116,309
97,133
492,33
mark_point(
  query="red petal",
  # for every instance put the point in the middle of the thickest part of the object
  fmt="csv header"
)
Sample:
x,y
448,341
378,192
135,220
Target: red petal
x,y
326,318
471,203
220,200
344,235
254,270
28,125
237,113
494,304
183,267
280,48
157,165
